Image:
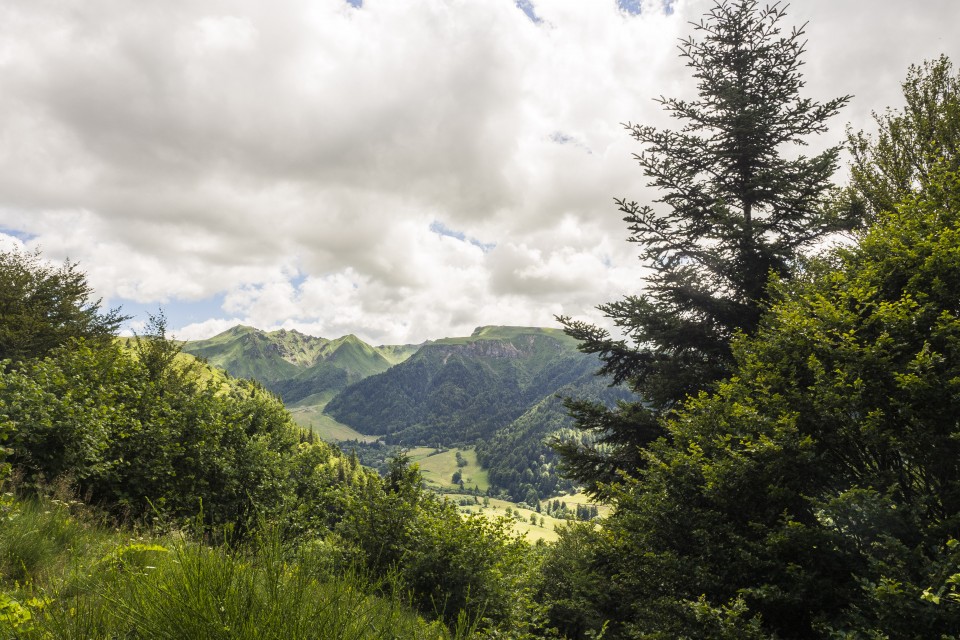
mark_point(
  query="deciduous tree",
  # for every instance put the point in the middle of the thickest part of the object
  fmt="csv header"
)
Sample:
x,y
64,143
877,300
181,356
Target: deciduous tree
x,y
43,307
900,157
816,493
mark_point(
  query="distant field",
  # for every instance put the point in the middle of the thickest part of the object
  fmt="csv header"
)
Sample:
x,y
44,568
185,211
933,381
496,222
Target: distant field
x,y
313,418
438,468
582,498
519,516
314,401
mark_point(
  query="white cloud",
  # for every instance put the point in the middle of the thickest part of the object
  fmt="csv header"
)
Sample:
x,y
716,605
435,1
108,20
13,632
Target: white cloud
x,y
291,158
9,244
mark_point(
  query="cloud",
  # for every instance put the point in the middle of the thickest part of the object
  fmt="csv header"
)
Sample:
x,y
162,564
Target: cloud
x,y
401,171
11,244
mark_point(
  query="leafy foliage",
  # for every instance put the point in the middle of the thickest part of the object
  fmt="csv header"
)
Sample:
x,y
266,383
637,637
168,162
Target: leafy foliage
x,y
42,307
816,492
452,564
149,436
154,437
909,144
84,580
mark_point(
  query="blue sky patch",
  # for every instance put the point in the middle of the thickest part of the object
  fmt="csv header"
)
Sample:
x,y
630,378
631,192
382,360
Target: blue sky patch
x,y
438,227
19,235
179,313
560,137
527,7
635,7
357,4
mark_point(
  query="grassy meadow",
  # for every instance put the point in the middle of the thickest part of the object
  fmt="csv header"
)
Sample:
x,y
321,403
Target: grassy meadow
x,y
313,418
438,468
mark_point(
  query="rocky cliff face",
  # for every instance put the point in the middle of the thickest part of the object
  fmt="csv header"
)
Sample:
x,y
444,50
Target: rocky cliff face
x,y
481,349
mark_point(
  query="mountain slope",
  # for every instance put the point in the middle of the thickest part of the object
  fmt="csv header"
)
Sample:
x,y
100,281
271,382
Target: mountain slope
x,y
517,458
459,390
294,365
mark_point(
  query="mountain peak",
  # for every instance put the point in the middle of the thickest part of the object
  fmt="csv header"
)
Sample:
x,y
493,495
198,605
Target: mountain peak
x,y
509,332
239,330
491,330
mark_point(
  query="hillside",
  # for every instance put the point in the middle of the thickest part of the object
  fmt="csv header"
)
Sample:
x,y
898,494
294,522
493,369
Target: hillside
x,y
517,457
460,390
499,388
299,368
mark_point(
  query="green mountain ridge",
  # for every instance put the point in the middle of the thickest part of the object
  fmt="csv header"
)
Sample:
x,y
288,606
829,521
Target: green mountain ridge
x,y
295,365
498,389
517,458
460,390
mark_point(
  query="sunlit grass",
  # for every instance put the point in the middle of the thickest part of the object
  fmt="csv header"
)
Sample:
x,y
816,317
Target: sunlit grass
x,y
438,468
525,521
67,576
313,418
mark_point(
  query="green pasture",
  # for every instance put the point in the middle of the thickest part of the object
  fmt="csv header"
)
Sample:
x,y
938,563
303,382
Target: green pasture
x,y
438,466
313,418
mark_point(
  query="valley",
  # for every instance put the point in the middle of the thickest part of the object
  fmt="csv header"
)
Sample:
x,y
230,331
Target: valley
x,y
490,401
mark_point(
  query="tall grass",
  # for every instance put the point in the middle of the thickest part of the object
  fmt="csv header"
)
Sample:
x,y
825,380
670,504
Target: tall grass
x,y
65,576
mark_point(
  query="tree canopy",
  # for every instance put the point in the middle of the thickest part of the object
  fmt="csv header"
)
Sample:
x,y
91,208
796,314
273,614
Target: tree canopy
x,y
151,435
735,210
42,307
910,143
817,492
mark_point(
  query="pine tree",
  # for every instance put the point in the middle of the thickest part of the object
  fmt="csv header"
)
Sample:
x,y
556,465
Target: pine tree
x,y
736,210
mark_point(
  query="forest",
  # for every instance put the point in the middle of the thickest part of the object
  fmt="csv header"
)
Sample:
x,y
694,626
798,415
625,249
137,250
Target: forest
x,y
785,463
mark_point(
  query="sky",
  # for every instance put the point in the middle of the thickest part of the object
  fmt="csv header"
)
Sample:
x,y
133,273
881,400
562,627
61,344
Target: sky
x,y
399,170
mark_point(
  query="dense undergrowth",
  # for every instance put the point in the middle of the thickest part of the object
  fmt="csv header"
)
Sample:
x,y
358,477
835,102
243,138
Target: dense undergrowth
x,y
69,575
249,526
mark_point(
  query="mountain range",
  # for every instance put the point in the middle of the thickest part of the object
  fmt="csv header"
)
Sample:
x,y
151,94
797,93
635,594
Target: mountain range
x,y
296,366
497,389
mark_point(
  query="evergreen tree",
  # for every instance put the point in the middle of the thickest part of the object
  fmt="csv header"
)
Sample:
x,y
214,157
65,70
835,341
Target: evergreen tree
x,y
816,493
736,211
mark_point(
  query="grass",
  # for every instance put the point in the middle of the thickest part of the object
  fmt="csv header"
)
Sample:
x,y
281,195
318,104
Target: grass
x,y
313,418
66,575
438,468
581,498
520,517
316,400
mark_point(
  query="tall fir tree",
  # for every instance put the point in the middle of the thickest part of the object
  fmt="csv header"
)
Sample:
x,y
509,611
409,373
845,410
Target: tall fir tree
x,y
736,210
